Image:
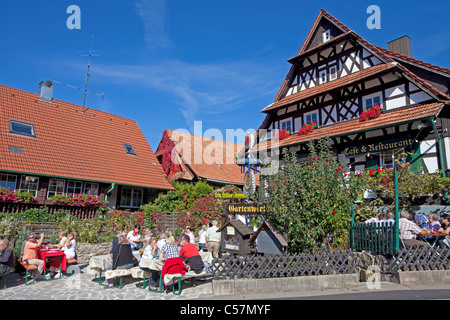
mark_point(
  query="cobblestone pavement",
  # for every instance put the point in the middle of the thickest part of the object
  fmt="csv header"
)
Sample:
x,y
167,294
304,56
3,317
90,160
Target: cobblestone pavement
x,y
83,286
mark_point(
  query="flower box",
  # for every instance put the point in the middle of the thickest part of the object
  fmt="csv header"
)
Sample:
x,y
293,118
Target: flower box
x,y
307,128
371,113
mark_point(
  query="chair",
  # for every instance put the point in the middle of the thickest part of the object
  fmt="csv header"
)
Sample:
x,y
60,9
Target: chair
x,y
28,268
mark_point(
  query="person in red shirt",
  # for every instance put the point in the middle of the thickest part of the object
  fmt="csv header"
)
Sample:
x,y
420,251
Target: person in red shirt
x,y
190,254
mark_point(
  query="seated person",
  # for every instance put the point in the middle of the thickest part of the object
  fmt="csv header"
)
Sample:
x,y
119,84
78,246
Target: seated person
x,y
116,238
62,240
190,254
421,220
433,223
134,237
445,229
29,253
122,257
6,258
408,231
69,246
151,252
173,263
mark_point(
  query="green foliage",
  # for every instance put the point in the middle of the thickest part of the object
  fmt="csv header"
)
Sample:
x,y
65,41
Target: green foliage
x,y
38,215
181,200
311,202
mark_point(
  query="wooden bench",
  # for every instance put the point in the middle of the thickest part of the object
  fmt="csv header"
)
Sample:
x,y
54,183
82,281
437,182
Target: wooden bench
x,y
28,268
174,278
72,261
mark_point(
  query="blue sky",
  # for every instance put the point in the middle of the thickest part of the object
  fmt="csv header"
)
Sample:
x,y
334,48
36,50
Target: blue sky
x,y
167,63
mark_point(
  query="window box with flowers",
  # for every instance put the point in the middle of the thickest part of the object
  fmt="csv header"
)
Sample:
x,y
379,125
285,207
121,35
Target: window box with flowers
x,y
79,200
6,195
371,113
308,128
282,134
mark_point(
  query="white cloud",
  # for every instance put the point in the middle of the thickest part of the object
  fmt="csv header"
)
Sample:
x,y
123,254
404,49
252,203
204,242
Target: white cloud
x,y
153,14
198,88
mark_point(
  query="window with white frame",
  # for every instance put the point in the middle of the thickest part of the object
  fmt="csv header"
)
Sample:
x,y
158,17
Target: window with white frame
x,y
323,76
29,184
286,124
20,127
74,187
333,73
91,188
311,117
131,197
8,181
55,186
326,35
372,100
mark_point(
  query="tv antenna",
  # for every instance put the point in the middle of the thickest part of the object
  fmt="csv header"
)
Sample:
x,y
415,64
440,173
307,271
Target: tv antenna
x,y
88,75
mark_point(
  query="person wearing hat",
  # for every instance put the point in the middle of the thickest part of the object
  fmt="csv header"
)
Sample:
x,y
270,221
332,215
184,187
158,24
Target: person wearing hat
x,y
29,253
212,238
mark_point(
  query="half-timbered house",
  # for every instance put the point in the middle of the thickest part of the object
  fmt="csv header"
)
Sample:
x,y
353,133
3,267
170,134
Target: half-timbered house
x,y
336,76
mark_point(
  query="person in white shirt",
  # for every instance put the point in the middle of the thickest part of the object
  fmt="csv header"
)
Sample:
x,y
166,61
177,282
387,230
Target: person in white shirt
x,y
134,236
62,240
70,246
202,238
190,234
162,241
408,231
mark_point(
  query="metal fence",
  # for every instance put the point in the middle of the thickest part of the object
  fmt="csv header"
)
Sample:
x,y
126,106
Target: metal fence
x,y
377,238
284,265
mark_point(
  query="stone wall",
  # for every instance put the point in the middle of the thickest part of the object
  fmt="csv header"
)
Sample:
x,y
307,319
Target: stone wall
x,y
87,250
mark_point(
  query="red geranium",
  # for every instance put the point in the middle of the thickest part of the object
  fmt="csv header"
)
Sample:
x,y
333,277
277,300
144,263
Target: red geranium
x,y
371,113
307,128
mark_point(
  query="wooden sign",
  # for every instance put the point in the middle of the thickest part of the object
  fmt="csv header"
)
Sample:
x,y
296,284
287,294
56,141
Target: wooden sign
x,y
245,208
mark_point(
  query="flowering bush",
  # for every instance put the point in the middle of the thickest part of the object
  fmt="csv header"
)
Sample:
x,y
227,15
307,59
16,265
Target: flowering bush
x,y
307,128
81,200
371,113
311,202
6,195
124,220
282,134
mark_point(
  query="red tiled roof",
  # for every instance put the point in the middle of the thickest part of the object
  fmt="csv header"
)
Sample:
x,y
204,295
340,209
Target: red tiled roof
x,y
74,145
323,88
351,126
199,156
403,58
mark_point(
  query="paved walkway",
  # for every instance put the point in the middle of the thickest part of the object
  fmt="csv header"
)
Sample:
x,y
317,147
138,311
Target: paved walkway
x,y
84,287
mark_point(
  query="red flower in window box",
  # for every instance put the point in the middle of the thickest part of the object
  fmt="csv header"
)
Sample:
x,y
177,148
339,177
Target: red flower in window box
x,y
307,128
282,134
371,113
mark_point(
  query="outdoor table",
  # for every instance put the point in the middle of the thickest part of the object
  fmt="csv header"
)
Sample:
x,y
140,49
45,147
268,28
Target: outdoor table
x,y
98,264
55,257
437,236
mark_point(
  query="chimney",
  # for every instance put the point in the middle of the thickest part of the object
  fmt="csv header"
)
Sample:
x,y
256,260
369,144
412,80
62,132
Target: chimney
x,y
401,45
46,91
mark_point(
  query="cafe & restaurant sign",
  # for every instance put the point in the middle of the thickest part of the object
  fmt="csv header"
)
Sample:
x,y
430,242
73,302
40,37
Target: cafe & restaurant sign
x,y
402,142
